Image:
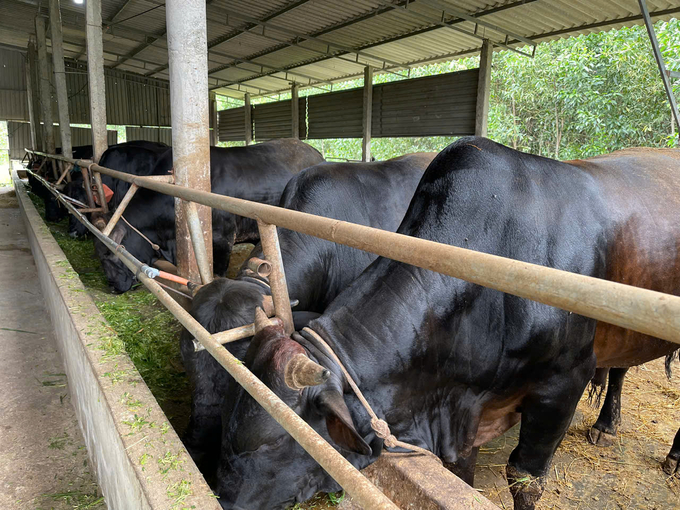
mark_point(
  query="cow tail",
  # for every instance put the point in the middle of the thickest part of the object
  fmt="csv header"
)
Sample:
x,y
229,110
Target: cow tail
x,y
597,386
669,360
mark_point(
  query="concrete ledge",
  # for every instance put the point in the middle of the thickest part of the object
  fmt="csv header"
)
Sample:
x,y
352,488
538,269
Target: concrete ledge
x,y
417,482
139,460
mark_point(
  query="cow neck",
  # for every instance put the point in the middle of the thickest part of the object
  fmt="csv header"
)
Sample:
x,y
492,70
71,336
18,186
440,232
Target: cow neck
x,y
379,426
261,281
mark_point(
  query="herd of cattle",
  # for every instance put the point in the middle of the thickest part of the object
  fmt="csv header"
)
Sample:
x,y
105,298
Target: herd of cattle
x,y
448,364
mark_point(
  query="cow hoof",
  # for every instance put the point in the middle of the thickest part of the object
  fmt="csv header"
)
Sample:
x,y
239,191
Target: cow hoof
x,y
670,466
600,437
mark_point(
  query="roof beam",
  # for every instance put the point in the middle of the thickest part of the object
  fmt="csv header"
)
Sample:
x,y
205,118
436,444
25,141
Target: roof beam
x,y
382,10
219,40
120,10
140,48
442,22
297,35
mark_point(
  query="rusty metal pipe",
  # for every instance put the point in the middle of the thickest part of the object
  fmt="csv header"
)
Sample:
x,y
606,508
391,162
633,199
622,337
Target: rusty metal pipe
x,y
646,311
120,210
100,192
64,173
198,242
86,184
277,280
260,266
356,484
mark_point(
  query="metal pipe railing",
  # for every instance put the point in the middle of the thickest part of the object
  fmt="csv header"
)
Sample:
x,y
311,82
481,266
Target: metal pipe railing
x,y
349,477
646,311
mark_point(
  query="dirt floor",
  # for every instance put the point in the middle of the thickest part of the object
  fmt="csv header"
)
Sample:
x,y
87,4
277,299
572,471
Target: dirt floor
x,y
625,475
43,460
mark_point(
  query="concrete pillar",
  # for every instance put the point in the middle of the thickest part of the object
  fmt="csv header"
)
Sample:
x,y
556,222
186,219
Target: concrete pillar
x,y
95,74
60,77
188,68
295,111
483,89
214,134
34,95
30,88
249,122
368,114
45,97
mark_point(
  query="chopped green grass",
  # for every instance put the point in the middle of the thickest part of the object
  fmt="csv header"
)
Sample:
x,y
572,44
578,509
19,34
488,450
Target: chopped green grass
x,y
145,330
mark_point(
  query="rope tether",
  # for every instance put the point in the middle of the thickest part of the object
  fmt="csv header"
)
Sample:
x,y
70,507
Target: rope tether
x,y
379,426
153,245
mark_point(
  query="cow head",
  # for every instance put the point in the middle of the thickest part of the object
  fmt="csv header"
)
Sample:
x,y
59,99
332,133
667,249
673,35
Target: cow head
x,y
75,189
120,278
257,453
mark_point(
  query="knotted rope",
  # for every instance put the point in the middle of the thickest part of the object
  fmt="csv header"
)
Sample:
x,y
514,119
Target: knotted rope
x,y
379,426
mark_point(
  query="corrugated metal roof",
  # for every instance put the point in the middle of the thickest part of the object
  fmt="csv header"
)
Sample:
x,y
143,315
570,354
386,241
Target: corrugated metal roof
x,y
260,46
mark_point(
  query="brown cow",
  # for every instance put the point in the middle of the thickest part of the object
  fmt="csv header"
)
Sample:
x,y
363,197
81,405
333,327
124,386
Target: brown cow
x,y
642,187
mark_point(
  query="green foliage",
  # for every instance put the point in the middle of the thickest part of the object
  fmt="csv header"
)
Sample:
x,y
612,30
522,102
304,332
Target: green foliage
x,y
578,97
586,95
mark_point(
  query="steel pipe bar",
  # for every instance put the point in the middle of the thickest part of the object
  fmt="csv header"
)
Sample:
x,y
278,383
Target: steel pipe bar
x,y
667,85
277,279
349,478
231,335
197,241
95,77
60,78
86,184
100,192
188,69
646,311
44,81
120,210
32,94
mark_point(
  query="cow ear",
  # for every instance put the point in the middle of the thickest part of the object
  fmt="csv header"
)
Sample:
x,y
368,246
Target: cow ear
x,y
118,233
339,423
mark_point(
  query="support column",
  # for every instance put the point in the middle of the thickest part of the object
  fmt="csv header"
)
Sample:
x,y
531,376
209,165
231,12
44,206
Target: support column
x,y
95,74
214,134
30,92
295,111
483,89
45,97
188,67
368,114
60,78
34,94
249,122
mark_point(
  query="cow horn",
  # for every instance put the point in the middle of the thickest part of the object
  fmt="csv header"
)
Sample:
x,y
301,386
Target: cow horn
x,y
301,372
100,223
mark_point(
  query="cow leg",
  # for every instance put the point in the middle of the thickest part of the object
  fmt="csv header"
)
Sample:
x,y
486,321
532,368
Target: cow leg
x,y
603,433
672,463
546,415
464,468
224,236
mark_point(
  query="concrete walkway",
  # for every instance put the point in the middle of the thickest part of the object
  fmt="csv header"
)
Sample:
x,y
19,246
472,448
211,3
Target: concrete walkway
x,y
43,461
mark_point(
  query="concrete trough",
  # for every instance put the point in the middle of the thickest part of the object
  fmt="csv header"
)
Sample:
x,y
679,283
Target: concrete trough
x,y
139,460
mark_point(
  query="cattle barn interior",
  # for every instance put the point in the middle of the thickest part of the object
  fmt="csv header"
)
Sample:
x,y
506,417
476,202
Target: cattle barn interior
x,y
148,66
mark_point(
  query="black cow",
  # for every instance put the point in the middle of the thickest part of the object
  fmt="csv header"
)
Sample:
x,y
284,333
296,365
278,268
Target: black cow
x,y
256,172
136,158
375,194
449,364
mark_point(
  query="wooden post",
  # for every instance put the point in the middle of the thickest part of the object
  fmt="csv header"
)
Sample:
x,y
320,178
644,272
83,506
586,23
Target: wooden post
x,y
368,114
188,67
32,95
483,89
60,78
45,96
214,134
249,121
95,72
294,111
